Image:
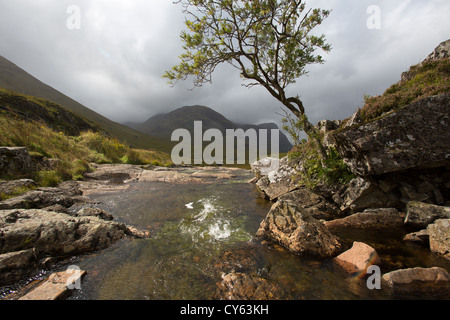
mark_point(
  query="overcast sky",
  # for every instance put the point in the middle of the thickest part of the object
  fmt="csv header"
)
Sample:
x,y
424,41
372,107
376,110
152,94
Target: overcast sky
x,y
114,62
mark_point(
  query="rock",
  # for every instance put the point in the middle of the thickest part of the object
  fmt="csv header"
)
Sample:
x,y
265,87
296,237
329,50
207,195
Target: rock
x,y
55,233
16,265
326,126
115,172
362,194
355,119
383,218
420,215
419,281
297,230
439,233
314,204
56,287
415,136
264,166
421,236
66,194
277,182
358,259
95,212
8,188
241,286
15,162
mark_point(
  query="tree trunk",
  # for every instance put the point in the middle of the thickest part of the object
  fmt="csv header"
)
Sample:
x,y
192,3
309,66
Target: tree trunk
x,y
307,126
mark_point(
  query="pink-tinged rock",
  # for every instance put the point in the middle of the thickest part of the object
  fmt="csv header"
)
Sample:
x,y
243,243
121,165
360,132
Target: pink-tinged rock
x,y
359,258
56,287
426,282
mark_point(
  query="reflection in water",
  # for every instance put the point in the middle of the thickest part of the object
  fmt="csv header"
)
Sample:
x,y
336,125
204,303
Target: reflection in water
x,y
200,232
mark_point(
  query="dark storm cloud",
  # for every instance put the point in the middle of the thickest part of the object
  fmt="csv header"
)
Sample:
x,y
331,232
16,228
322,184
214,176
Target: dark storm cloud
x,y
114,63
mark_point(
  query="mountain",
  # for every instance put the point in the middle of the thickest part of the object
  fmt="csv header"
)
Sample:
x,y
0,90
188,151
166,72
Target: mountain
x,y
162,125
15,79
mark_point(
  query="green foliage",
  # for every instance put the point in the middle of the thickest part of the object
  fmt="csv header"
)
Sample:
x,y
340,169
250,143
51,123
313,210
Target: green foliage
x,y
423,81
313,169
264,39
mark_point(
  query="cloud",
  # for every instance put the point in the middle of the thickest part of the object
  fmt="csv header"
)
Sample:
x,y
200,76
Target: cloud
x,y
114,63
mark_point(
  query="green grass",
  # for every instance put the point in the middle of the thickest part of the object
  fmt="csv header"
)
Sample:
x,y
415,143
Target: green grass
x,y
73,153
431,78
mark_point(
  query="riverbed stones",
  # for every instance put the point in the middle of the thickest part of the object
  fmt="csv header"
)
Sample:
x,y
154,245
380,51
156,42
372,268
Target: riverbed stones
x,y
15,265
439,235
242,286
419,281
294,228
420,215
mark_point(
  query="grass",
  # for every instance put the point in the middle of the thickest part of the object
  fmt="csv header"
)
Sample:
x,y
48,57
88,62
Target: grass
x,y
73,153
431,78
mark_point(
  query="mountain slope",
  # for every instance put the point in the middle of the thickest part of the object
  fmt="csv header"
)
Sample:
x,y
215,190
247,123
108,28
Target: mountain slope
x,y
163,125
15,79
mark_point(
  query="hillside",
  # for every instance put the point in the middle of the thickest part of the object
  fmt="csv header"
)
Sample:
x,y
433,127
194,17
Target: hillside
x,y
428,78
15,79
162,125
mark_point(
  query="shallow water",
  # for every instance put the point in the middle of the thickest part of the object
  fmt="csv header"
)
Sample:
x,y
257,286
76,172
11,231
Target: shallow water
x,y
200,232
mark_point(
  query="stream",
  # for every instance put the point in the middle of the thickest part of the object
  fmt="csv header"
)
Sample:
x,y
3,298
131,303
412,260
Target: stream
x,y
200,232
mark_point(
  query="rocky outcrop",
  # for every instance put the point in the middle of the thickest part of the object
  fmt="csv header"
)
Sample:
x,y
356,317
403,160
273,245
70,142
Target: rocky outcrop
x,y
419,282
439,233
55,233
415,136
314,204
15,162
275,177
382,218
298,231
420,215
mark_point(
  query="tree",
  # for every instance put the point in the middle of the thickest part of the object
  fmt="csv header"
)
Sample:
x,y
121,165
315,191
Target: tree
x,y
268,41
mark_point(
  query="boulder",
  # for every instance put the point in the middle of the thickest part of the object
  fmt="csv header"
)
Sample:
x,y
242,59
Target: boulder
x,y
419,281
55,233
358,259
415,136
276,178
16,265
241,286
312,203
382,218
439,233
15,161
294,228
420,215
8,188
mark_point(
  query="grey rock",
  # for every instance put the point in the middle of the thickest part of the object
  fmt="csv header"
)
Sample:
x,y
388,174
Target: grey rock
x,y
298,231
439,233
419,281
420,215
415,136
15,161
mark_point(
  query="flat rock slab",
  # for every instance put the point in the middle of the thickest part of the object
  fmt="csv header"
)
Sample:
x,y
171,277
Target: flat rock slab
x,y
56,287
